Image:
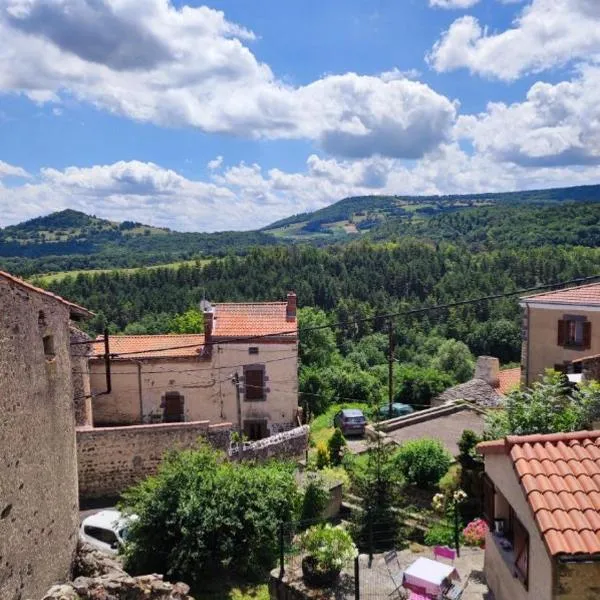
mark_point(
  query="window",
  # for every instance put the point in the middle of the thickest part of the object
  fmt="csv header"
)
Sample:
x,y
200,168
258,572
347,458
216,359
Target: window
x,y
574,332
253,350
41,319
521,550
173,408
254,382
48,342
489,493
256,429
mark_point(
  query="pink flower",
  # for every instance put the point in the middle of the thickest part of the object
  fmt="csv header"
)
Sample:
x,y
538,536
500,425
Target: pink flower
x,y
475,533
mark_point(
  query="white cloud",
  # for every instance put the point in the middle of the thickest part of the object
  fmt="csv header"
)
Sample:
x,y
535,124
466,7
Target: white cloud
x,y
190,67
546,34
7,170
245,196
556,124
453,3
215,163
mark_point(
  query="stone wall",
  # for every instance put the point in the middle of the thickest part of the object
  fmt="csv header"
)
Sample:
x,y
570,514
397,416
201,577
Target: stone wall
x,y
290,444
578,581
39,515
111,459
80,372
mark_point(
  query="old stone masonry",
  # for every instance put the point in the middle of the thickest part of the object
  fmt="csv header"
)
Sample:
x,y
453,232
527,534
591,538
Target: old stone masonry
x,y
100,577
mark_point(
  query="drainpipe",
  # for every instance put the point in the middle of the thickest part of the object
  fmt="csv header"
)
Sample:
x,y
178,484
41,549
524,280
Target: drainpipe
x,y
139,366
528,347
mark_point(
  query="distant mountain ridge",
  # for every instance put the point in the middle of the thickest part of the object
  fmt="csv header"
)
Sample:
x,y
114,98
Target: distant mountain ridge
x,y
71,240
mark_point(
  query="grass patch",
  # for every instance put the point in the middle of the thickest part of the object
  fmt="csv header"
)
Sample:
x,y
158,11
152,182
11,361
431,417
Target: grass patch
x,y
231,589
322,426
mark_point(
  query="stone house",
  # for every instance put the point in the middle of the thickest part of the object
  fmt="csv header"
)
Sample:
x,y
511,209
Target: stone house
x,y
542,502
39,516
174,378
560,329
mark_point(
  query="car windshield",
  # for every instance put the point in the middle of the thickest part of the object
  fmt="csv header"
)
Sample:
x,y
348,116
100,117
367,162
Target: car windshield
x,y
99,533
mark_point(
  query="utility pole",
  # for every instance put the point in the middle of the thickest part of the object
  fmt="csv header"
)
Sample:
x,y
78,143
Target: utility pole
x,y
390,366
236,382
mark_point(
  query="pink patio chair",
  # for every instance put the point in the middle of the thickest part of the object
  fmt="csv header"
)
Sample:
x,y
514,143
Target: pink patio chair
x,y
444,552
418,593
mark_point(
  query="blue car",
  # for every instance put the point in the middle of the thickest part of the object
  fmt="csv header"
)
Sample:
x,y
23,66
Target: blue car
x,y
398,410
351,421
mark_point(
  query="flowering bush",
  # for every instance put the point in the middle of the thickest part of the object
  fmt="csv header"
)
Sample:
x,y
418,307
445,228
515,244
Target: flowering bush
x,y
330,547
475,532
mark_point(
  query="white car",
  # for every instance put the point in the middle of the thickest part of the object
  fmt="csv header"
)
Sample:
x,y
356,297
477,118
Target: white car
x,y
106,530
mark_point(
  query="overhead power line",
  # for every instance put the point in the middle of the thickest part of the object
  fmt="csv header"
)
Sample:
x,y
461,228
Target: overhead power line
x,y
382,317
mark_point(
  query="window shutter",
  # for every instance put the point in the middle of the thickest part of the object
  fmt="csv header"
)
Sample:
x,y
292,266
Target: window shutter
x,y
587,335
489,493
562,332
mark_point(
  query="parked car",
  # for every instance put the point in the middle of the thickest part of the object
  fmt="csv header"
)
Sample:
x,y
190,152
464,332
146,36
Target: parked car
x,y
106,530
351,421
398,410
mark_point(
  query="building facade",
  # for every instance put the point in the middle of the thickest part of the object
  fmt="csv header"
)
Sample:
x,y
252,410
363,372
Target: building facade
x,y
542,503
559,329
242,370
39,513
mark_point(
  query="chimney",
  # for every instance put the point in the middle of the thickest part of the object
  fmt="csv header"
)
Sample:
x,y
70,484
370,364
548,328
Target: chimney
x,y
209,314
488,369
292,301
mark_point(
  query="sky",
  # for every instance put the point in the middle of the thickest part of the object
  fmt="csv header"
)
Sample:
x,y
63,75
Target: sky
x,y
233,114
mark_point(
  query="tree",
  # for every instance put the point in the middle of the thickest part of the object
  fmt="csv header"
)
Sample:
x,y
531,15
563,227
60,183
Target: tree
x,y
317,346
455,358
201,512
377,525
191,321
336,445
423,462
548,406
418,385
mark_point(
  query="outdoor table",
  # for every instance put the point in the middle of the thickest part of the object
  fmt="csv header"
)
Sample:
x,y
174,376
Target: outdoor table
x,y
429,574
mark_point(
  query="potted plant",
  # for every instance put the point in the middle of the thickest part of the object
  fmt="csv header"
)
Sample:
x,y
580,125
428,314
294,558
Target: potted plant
x,y
327,550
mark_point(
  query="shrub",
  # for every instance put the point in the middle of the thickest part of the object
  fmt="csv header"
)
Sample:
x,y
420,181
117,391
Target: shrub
x,y
322,455
199,510
474,533
315,499
331,547
336,445
440,534
423,462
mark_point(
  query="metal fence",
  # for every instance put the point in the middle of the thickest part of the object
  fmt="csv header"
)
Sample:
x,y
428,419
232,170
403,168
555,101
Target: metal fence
x,y
375,574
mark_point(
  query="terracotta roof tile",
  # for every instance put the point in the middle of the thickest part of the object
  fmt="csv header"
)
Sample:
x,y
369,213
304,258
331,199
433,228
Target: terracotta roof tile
x,y
232,320
560,475
509,380
588,295
154,346
75,309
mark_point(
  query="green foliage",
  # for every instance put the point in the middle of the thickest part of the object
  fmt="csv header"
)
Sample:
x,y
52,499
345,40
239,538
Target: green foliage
x,y
315,391
455,359
451,481
191,321
336,446
379,484
418,385
315,498
317,347
548,406
440,534
467,447
199,510
331,547
322,455
423,462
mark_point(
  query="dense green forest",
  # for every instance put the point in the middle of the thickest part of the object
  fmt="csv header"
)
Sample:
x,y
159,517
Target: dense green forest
x,y
69,240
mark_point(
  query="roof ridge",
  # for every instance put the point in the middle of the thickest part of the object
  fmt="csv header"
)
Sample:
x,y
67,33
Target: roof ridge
x,y
150,335
29,286
260,303
574,287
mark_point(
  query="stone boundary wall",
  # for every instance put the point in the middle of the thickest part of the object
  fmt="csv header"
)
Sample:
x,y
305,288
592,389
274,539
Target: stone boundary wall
x,y
291,444
111,459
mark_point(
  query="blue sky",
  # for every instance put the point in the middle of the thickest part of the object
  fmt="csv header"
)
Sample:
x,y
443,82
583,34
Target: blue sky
x,y
233,114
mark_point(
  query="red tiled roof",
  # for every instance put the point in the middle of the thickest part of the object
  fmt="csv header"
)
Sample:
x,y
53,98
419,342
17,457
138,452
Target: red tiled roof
x,y
75,309
154,346
244,319
588,295
560,475
509,379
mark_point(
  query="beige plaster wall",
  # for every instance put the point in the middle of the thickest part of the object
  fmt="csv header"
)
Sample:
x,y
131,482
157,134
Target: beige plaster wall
x,y
38,472
206,385
542,348
498,574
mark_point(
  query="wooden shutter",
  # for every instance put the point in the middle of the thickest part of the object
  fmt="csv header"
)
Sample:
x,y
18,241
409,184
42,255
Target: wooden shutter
x,y
562,332
521,548
587,335
489,493
254,382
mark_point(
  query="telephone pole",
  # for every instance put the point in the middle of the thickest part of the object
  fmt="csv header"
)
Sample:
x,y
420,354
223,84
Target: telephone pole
x,y
390,366
236,382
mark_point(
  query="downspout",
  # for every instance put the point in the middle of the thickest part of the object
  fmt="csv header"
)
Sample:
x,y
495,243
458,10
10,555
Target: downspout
x,y
528,346
139,366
